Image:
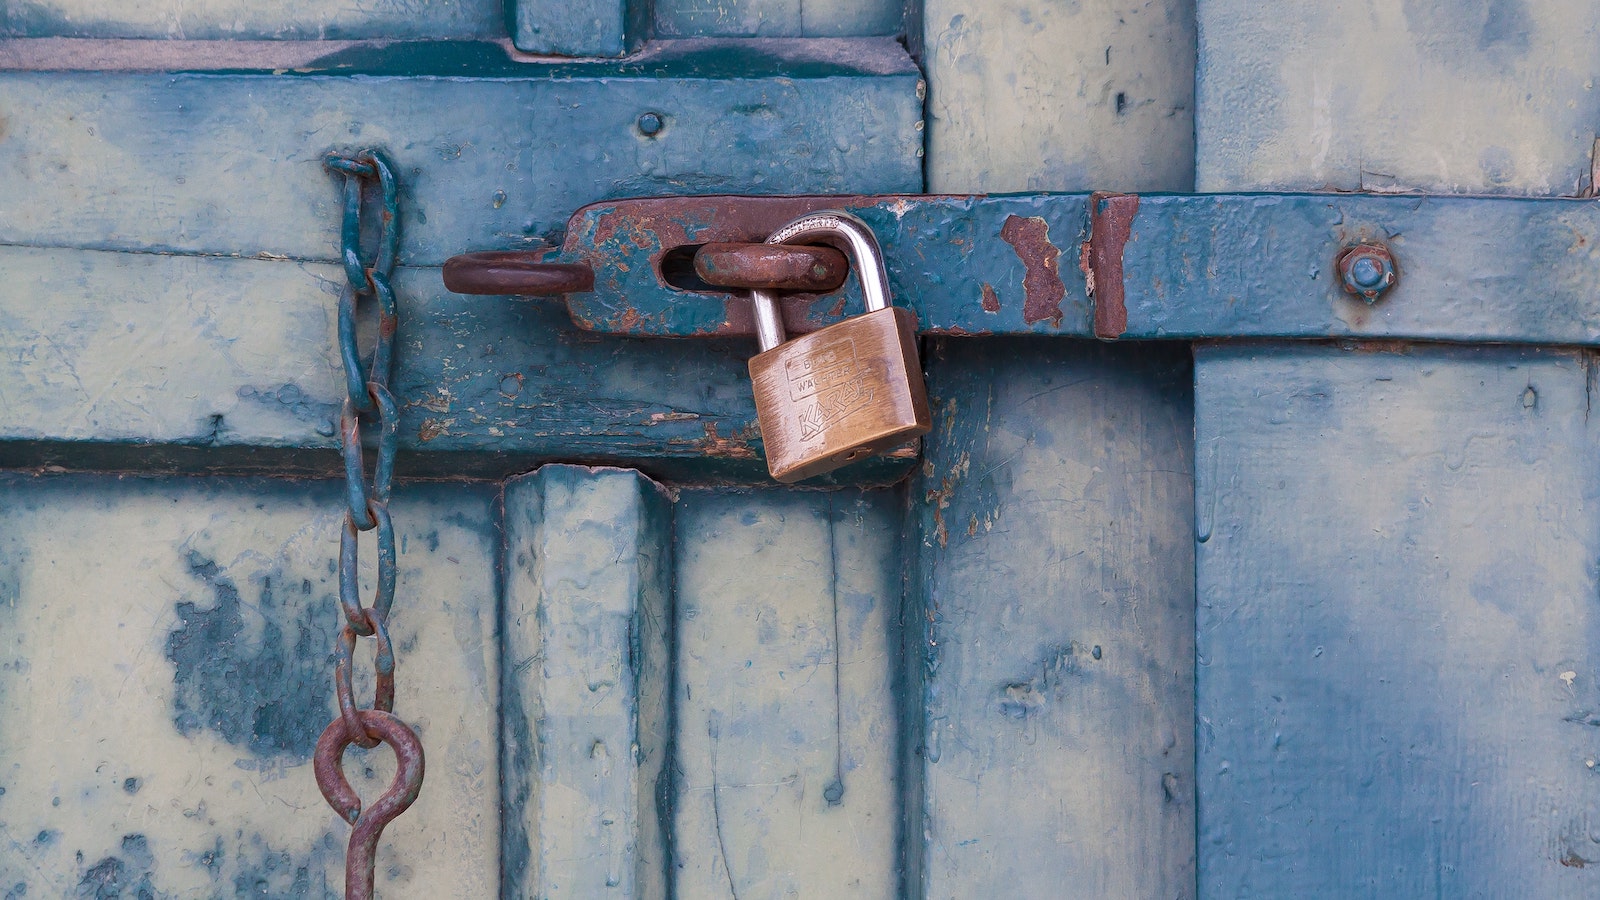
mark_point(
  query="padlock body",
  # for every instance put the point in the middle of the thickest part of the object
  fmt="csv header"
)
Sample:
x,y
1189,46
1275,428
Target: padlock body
x,y
841,393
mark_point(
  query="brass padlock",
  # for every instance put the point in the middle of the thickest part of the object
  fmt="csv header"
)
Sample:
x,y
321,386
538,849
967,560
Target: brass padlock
x,y
848,390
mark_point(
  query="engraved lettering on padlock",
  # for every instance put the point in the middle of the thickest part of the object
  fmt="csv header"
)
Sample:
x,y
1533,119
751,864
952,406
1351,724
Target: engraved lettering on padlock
x,y
848,390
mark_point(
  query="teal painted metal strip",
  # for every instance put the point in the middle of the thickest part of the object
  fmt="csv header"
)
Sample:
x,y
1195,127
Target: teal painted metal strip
x,y
245,20
586,639
1397,630
167,667
1192,266
787,637
491,154
1052,628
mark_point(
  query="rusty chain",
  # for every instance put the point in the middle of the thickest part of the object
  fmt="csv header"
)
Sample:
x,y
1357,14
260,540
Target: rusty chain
x,y
367,394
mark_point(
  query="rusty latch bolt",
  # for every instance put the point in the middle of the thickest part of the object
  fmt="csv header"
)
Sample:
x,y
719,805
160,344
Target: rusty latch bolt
x,y
772,267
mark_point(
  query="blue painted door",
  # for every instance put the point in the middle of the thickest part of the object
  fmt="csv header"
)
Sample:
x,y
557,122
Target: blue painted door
x,y
1237,617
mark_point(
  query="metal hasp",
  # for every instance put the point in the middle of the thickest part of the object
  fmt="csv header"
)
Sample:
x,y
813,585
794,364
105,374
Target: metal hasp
x,y
1156,266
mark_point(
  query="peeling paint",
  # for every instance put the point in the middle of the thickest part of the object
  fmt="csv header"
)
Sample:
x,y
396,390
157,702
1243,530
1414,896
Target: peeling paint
x,y
1111,224
1041,282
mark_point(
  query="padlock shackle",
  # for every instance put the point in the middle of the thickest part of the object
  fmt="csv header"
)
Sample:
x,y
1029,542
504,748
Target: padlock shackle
x,y
835,228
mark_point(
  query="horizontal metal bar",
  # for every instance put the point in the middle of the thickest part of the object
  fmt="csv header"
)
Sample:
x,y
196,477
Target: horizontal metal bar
x,y
1471,269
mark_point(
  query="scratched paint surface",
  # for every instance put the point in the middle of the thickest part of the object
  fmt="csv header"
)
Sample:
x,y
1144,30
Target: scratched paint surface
x,y
1396,676
1031,96
1456,96
165,672
1054,644
785,781
244,20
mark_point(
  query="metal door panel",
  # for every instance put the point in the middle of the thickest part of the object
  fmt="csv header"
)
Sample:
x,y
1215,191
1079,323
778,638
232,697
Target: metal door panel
x,y
787,736
1055,579
1396,579
167,667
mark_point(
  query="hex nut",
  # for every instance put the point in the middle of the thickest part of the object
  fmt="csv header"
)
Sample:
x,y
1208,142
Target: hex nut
x,y
1367,270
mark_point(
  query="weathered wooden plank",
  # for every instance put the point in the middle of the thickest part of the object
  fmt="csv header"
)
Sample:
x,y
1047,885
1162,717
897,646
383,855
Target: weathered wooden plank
x,y
166,667
1396,680
586,640
580,27
1029,96
1466,96
786,781
1056,632
244,20
491,153
102,350
777,18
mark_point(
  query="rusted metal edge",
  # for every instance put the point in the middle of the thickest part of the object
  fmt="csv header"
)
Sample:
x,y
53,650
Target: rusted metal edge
x,y
772,267
515,273
1110,226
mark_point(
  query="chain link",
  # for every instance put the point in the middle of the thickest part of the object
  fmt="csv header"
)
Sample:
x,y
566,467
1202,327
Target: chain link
x,y
367,509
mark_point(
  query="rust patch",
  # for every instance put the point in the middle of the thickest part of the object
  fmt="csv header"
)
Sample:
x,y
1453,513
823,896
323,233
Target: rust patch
x,y
1110,225
991,300
735,446
1042,288
432,428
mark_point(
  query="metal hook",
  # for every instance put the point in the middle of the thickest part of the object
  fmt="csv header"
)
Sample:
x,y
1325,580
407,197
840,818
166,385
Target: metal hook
x,y
328,763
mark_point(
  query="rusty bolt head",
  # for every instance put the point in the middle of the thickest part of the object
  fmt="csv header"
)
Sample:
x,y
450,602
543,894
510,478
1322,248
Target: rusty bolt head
x,y
1367,270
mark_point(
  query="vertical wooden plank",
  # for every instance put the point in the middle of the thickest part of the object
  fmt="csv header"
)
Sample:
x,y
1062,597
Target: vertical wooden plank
x,y
1055,581
166,658
1031,96
1397,678
586,627
786,723
777,18
1459,96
